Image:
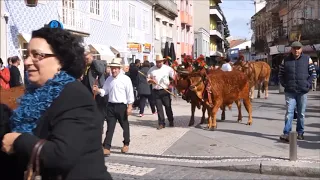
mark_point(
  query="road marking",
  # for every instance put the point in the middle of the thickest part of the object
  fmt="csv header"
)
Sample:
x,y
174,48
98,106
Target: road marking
x,y
127,169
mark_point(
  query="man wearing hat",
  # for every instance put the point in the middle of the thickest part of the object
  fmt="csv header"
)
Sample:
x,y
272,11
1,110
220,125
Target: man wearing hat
x,y
119,89
159,75
296,73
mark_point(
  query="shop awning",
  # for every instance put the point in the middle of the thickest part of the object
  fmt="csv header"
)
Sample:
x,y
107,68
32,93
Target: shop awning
x,y
26,37
104,52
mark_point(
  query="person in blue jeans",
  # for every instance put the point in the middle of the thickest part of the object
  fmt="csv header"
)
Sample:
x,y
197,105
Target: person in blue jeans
x,y
296,73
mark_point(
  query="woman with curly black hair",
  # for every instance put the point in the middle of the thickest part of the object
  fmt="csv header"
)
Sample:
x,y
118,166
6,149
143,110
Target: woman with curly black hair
x,y
57,110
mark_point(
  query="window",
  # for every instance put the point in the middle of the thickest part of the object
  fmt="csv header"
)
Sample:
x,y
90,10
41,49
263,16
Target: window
x,y
158,30
115,10
132,16
95,7
308,13
169,33
145,20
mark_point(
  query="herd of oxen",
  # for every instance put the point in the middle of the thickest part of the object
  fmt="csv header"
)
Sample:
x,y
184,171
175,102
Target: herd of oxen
x,y
214,89
211,89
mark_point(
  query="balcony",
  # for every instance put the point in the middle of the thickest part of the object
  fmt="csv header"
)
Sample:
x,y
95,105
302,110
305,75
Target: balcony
x,y
215,32
169,7
273,6
75,20
184,17
216,12
190,20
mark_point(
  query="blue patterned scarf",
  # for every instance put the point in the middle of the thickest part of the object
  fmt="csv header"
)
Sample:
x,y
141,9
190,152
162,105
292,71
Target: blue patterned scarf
x,y
36,101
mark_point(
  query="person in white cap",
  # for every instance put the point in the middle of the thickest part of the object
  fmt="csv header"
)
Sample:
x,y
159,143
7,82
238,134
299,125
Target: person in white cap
x,y
159,75
120,91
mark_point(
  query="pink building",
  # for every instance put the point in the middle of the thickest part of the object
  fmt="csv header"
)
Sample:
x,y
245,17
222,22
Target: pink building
x,y
184,24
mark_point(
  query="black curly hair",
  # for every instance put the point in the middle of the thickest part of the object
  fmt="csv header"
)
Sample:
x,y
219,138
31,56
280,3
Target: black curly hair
x,y
67,47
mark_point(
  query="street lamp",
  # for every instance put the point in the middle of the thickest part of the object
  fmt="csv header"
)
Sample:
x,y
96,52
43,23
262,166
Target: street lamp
x,y
31,3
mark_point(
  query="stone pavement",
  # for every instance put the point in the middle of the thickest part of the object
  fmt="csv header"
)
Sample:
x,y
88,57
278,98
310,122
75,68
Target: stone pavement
x,y
231,142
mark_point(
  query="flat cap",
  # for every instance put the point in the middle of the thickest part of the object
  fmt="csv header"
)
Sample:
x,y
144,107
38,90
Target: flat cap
x,y
296,44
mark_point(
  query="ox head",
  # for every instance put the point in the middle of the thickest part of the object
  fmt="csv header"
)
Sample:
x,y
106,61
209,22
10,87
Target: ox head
x,y
197,83
182,81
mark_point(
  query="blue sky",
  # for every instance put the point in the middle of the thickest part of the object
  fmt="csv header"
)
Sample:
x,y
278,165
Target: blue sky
x,y
238,14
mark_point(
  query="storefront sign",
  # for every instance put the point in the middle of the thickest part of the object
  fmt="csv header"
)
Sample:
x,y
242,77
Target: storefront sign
x,y
147,48
134,47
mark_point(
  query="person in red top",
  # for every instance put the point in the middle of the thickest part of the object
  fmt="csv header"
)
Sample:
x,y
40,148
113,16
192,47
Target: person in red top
x,y
4,76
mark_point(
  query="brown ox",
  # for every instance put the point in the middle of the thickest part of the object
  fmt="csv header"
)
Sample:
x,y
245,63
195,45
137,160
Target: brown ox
x,y
182,86
225,88
10,96
258,73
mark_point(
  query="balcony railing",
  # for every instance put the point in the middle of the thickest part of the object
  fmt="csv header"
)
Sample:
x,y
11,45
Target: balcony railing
x,y
216,11
167,5
75,20
215,32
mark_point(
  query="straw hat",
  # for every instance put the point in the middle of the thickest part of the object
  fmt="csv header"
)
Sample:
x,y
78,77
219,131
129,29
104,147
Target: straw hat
x,y
159,57
116,62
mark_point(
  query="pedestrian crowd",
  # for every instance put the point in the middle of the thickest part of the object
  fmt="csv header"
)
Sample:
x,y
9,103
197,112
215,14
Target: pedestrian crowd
x,y
56,131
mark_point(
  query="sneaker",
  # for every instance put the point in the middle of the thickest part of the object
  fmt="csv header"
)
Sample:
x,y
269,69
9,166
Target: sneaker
x,y
140,115
284,137
300,137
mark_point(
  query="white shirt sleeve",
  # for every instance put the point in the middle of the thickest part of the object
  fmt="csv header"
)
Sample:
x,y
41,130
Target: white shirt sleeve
x,y
129,91
171,72
104,91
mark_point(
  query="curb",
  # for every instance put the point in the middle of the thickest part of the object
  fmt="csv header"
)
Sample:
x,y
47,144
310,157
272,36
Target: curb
x,y
298,169
303,167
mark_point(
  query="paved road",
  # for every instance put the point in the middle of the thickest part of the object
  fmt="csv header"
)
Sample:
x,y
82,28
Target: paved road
x,y
126,169
230,144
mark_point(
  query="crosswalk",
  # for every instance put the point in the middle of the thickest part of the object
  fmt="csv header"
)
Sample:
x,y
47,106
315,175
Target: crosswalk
x,y
126,169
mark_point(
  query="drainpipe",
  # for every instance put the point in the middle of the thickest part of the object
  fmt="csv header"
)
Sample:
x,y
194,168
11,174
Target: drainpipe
x,y
152,35
3,32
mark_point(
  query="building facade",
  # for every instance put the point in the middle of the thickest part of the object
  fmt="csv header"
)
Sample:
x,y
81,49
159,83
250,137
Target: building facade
x,y
107,27
184,25
281,22
139,41
218,32
201,43
164,30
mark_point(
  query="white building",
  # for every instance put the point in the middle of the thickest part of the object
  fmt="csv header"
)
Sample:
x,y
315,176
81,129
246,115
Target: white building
x,y
201,43
259,4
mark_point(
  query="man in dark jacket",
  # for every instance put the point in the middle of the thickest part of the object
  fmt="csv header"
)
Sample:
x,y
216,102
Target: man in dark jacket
x,y
15,76
296,73
95,73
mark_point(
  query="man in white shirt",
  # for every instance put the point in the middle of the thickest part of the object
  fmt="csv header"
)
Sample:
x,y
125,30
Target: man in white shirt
x,y
120,98
159,75
226,66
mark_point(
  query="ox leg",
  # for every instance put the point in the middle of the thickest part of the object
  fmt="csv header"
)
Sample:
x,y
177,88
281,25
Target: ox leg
x,y
248,106
223,114
193,109
259,89
238,103
266,93
252,93
203,118
214,116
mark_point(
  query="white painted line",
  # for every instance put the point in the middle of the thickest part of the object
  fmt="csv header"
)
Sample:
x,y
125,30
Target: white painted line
x,y
127,169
